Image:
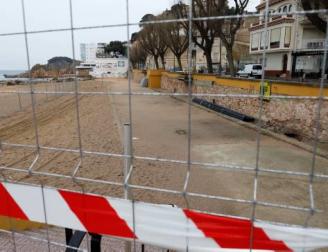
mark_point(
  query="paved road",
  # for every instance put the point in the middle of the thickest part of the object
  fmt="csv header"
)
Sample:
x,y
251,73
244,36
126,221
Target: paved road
x,y
36,240
160,126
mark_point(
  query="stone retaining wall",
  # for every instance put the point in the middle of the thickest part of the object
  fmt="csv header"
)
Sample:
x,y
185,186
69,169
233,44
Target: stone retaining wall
x,y
138,75
296,116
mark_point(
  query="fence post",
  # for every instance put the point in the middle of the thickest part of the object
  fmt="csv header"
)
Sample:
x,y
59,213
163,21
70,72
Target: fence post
x,y
19,102
127,152
56,89
102,80
47,91
127,164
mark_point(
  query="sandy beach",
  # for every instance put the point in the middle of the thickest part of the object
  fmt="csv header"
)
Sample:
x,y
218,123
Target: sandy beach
x,y
159,131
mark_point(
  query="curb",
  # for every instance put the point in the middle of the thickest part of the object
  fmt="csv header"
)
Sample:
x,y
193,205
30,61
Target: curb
x,y
296,143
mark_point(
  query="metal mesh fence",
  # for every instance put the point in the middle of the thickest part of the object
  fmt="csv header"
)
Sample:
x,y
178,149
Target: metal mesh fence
x,y
35,159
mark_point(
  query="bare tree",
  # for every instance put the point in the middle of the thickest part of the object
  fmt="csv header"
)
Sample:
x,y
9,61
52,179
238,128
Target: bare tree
x,y
138,55
316,19
148,39
227,28
204,31
175,36
161,45
151,38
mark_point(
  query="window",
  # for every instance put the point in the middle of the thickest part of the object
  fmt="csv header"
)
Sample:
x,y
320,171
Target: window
x,y
290,8
257,67
314,45
263,39
275,38
255,41
279,10
287,36
285,9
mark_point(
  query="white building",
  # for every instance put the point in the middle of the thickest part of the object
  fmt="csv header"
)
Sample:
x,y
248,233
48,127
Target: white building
x,y
295,46
106,67
110,67
88,52
100,65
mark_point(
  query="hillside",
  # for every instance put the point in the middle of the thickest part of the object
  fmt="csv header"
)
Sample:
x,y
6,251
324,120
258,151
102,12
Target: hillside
x,y
56,67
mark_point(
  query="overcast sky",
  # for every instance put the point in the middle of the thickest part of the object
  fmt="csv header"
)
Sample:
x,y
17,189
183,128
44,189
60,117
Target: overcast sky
x,y
54,14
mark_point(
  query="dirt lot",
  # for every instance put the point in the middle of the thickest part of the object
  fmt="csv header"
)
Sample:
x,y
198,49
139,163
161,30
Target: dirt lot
x,y
159,130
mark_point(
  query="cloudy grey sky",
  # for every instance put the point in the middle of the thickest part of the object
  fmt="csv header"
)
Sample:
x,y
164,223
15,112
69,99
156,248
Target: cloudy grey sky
x,y
54,14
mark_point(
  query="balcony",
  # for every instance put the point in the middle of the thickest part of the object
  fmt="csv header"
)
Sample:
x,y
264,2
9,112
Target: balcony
x,y
274,20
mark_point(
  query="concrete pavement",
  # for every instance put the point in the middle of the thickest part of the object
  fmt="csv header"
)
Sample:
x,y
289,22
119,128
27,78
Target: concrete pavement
x,y
160,126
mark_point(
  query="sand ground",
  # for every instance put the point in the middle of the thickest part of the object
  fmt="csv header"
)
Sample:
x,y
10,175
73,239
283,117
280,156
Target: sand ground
x,y
160,127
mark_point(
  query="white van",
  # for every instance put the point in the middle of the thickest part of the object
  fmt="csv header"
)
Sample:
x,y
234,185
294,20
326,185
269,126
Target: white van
x,y
251,70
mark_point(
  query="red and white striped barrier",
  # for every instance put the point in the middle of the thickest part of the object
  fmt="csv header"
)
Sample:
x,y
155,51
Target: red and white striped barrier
x,y
158,225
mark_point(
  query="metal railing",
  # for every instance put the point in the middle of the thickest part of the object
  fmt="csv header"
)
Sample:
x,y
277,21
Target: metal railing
x,y
128,156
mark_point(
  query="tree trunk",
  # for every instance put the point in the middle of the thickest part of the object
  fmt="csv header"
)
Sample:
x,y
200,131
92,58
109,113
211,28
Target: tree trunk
x,y
208,55
163,61
232,69
156,62
179,62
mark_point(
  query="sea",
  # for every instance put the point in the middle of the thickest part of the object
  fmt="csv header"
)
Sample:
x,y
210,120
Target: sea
x,y
9,72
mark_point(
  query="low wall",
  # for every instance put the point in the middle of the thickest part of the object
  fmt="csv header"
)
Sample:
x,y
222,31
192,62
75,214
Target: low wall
x,y
138,75
287,116
154,78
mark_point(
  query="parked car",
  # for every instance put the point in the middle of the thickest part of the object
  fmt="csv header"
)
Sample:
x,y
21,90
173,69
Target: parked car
x,y
251,70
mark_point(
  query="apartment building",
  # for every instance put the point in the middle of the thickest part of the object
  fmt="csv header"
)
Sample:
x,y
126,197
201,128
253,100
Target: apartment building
x,y
294,46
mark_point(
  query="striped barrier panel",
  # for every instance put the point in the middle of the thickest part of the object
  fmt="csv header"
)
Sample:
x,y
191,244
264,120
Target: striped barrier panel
x,y
159,225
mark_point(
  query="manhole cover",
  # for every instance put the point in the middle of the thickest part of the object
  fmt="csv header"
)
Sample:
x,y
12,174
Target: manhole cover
x,y
181,132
